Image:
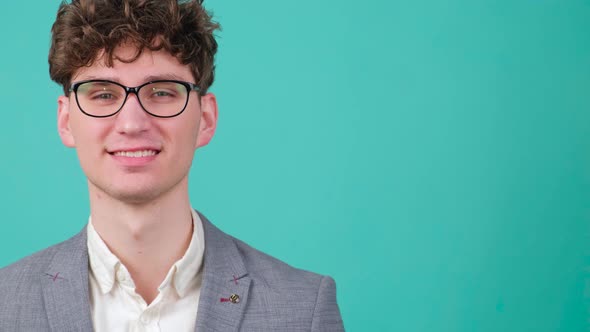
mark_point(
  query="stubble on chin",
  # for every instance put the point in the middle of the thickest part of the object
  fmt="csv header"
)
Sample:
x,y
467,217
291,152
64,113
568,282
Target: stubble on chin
x,y
137,195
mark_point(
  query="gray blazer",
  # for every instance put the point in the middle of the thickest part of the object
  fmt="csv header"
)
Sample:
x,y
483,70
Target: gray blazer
x,y
48,291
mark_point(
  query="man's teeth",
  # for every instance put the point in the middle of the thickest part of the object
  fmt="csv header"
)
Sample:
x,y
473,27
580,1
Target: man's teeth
x,y
135,154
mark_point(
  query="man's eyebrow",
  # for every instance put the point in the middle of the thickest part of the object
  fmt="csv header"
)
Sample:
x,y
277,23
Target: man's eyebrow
x,y
163,77
90,78
149,78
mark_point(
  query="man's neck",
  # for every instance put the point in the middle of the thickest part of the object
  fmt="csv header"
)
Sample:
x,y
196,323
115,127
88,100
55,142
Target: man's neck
x,y
148,238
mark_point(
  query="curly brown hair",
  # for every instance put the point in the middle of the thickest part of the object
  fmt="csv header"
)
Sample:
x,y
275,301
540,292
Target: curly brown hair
x,y
85,29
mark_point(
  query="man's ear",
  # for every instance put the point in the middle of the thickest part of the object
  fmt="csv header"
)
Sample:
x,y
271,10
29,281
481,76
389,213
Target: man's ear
x,y
208,121
63,122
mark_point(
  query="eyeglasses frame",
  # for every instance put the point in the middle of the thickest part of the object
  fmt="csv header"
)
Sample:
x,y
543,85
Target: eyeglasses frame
x,y
189,87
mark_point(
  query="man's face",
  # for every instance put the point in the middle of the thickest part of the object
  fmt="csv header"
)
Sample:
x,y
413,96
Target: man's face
x,y
103,144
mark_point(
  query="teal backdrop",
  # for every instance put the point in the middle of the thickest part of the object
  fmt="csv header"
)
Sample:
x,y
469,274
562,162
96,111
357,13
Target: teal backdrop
x,y
432,156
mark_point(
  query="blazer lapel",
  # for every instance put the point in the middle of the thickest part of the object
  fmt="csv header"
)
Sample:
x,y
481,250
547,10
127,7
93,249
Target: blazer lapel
x,y
224,291
65,287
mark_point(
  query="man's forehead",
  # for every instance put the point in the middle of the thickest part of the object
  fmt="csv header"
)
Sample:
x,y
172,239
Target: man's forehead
x,y
128,61
125,54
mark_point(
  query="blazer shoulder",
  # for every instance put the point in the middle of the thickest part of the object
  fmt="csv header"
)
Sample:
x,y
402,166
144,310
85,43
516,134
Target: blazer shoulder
x,y
273,271
300,297
32,265
23,304
220,246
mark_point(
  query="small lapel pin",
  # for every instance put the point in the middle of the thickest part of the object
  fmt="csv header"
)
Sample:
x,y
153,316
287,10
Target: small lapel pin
x,y
234,298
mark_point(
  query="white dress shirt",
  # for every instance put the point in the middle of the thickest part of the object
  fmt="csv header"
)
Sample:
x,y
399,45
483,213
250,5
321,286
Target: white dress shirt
x,y
116,306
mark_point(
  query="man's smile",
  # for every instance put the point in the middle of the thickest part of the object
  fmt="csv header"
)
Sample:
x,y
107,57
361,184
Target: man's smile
x,y
136,154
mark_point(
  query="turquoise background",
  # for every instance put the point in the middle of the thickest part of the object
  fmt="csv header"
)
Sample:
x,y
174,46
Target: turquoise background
x,y
432,156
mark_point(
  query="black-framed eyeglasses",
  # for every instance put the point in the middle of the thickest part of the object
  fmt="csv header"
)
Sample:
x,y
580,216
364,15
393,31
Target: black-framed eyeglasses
x,y
104,98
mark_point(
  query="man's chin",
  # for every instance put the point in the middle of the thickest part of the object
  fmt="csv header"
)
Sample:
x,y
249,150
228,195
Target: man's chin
x,y
142,191
132,196
136,198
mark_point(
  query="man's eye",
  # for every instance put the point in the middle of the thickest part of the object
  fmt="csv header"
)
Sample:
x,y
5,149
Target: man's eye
x,y
104,96
162,93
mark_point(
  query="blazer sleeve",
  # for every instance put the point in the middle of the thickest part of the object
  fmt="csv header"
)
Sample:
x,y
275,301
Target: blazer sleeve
x,y
326,315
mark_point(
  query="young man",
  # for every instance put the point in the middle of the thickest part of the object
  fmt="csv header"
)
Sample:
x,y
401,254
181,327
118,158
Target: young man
x,y
135,75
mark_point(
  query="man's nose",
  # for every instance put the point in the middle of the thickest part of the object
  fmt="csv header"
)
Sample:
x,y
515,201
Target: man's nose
x,y
132,119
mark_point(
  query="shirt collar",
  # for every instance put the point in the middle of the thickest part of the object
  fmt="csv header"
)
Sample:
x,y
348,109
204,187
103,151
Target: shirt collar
x,y
187,268
103,262
182,275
